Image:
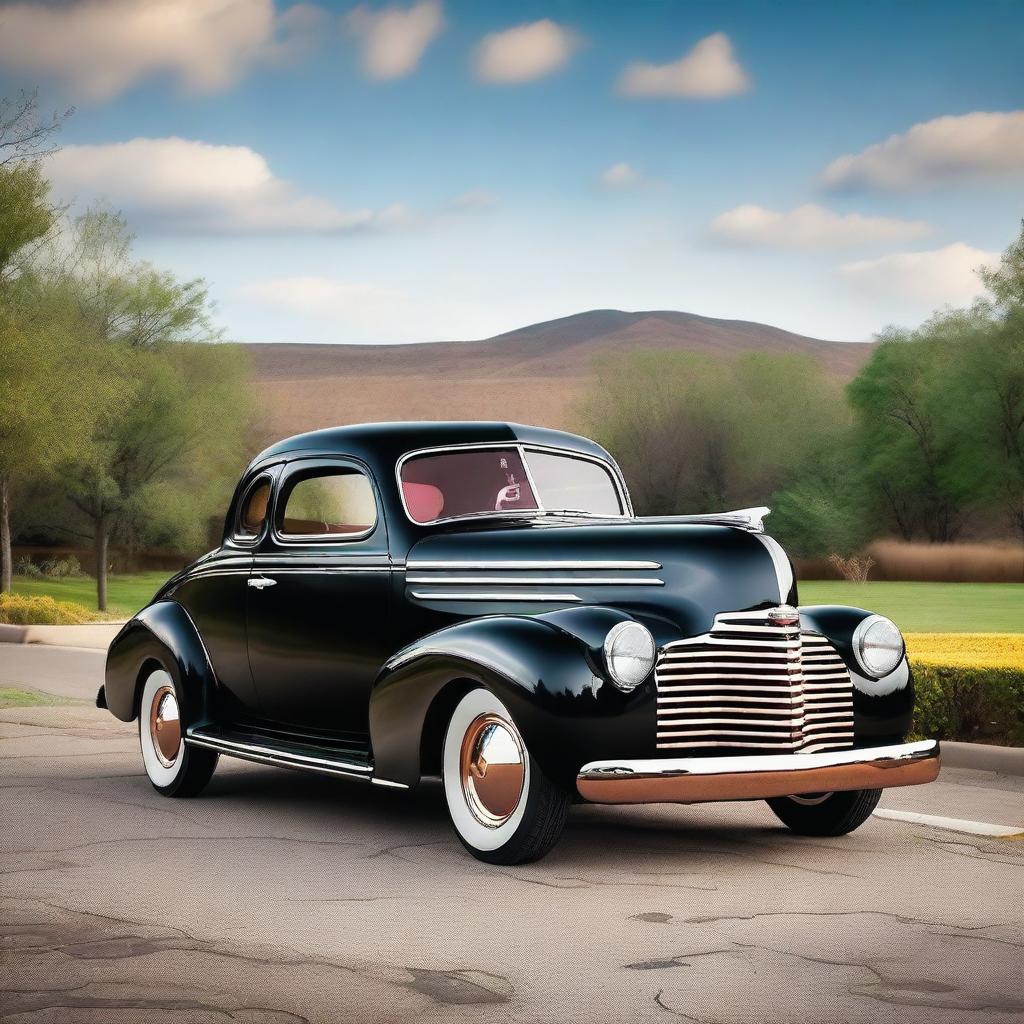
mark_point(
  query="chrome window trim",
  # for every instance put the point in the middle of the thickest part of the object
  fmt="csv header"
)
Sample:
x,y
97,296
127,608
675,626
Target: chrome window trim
x,y
614,473
247,542
320,539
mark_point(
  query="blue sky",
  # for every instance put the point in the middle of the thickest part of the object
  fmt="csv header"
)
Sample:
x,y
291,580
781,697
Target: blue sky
x,y
422,171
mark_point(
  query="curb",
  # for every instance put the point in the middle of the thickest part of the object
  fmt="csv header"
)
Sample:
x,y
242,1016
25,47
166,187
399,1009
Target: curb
x,y
983,757
13,634
95,635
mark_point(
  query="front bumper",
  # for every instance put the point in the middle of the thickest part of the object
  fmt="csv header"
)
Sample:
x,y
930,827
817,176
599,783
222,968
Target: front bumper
x,y
689,780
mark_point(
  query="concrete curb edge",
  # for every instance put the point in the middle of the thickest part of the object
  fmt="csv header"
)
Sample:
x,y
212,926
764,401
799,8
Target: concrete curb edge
x,y
983,757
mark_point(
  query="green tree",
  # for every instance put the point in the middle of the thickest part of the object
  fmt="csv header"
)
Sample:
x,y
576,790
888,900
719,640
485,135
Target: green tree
x,y
906,446
33,410
988,410
694,434
182,404
941,414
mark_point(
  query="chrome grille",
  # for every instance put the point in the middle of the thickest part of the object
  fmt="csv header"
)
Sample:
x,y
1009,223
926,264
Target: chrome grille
x,y
752,684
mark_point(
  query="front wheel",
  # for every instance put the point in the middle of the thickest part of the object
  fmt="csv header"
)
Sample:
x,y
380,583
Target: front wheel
x,y
826,814
503,807
174,767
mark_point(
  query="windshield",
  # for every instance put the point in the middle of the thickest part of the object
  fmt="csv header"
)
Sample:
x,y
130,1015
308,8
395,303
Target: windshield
x,y
478,481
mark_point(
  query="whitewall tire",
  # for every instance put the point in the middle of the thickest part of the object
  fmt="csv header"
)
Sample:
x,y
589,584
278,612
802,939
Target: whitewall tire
x,y
502,806
174,768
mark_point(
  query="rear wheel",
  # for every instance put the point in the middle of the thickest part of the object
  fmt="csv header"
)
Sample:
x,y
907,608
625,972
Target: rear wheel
x,y
174,767
826,814
504,809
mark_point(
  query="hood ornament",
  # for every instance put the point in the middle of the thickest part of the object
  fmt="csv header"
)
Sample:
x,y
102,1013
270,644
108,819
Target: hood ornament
x,y
784,615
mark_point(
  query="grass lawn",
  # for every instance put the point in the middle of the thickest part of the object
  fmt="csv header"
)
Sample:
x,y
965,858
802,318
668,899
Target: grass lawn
x,y
929,607
12,697
125,594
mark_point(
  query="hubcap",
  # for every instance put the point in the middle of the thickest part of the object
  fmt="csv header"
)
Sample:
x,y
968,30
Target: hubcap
x,y
810,799
493,767
165,726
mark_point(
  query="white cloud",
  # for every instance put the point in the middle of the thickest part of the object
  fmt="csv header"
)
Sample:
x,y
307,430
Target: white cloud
x,y
946,276
395,38
101,47
620,176
809,227
524,53
708,71
178,185
184,185
946,150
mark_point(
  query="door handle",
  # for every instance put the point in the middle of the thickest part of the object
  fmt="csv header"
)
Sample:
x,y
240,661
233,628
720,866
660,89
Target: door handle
x,y
259,582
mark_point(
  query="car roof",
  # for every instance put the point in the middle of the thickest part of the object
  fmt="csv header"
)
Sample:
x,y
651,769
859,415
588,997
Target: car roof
x,y
377,443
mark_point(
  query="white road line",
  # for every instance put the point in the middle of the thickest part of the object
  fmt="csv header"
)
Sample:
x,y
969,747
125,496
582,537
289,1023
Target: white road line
x,y
974,828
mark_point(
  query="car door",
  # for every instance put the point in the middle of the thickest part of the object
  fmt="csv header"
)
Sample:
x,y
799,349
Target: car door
x,y
317,599
214,594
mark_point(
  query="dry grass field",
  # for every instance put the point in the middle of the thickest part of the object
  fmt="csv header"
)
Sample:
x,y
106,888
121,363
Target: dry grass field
x,y
535,374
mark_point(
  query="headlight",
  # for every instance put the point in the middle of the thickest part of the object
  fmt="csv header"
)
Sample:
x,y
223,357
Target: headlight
x,y
878,646
629,654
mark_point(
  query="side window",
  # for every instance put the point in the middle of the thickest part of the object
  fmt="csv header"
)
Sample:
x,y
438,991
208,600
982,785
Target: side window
x,y
254,511
328,503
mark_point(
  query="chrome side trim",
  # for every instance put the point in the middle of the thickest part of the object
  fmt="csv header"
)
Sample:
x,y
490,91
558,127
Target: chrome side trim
x,y
443,595
416,563
312,570
512,581
271,755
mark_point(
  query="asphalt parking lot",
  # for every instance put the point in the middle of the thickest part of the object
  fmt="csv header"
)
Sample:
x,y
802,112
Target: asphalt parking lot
x,y
280,897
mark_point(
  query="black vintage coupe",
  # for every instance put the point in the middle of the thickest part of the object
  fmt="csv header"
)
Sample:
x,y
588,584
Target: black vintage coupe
x,y
478,601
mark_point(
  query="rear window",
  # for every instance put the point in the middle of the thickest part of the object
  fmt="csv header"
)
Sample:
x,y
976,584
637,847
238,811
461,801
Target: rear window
x,y
496,481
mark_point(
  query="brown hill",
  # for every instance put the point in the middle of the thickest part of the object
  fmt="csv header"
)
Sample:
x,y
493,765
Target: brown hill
x,y
535,374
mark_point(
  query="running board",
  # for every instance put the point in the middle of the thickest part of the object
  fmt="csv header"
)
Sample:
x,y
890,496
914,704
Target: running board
x,y
265,754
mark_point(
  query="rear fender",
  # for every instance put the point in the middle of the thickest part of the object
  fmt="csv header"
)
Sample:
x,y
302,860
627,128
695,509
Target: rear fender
x,y
163,636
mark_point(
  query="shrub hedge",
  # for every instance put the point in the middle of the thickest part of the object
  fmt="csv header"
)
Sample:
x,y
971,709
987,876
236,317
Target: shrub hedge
x,y
18,610
974,704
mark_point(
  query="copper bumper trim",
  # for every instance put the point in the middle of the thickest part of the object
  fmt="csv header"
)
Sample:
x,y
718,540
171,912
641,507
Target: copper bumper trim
x,y
688,780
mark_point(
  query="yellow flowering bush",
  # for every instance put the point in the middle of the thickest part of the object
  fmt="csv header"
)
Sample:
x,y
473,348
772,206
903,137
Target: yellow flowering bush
x,y
968,686
967,650
19,610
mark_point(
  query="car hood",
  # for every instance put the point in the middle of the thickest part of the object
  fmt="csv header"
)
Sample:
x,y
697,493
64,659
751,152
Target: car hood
x,y
675,576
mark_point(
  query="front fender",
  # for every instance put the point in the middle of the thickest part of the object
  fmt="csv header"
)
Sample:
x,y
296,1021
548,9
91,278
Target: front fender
x,y
545,669
163,635
882,708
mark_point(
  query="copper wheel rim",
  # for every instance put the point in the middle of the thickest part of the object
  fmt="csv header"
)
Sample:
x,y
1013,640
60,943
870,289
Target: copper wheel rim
x,y
165,726
492,764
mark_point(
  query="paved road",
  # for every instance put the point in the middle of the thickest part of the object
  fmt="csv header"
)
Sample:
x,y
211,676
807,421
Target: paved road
x,y
64,671
279,897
